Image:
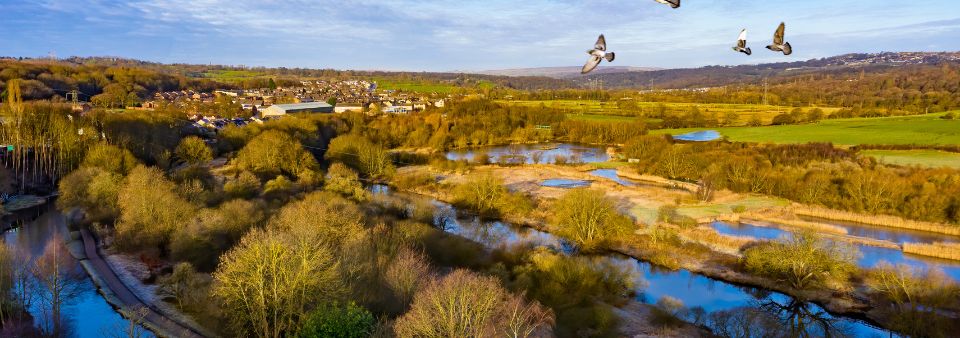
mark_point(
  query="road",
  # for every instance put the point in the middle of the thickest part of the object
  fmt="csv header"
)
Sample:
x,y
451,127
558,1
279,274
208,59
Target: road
x,y
128,298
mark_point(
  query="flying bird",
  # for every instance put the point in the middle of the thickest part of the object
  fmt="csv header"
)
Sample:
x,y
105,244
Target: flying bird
x,y
672,3
597,54
778,44
742,43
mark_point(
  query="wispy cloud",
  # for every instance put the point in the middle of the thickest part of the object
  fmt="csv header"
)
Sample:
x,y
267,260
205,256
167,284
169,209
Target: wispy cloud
x,y
464,34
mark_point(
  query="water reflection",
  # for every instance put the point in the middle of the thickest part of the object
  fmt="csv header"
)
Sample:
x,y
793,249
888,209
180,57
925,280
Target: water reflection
x,y
535,153
87,314
709,299
898,236
565,183
870,255
611,174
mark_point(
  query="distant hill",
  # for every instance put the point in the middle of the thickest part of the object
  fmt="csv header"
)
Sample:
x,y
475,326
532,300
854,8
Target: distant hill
x,y
715,76
562,72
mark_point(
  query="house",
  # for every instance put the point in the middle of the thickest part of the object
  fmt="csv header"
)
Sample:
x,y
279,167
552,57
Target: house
x,y
284,109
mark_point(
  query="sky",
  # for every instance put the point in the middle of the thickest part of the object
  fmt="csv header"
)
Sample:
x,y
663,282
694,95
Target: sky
x,y
467,35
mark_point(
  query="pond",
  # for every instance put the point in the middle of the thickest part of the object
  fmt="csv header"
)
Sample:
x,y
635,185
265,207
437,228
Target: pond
x,y
565,183
535,153
870,255
87,314
611,174
695,291
699,136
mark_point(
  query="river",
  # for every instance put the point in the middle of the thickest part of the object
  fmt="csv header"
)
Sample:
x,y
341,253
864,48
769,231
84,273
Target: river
x,y
535,153
88,314
696,291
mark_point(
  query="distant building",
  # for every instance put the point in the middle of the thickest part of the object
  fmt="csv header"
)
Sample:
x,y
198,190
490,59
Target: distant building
x,y
343,109
284,109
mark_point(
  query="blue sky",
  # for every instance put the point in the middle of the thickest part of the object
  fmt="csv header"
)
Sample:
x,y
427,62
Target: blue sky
x,y
447,35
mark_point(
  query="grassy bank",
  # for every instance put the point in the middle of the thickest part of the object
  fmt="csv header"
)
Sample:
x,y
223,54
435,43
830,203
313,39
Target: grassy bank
x,y
938,250
921,129
921,157
881,220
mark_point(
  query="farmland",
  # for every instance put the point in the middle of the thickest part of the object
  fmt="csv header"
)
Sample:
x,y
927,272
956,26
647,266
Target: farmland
x,y
921,129
599,110
921,157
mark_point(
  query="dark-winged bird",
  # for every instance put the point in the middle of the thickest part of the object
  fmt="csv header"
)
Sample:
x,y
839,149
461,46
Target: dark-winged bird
x,y
778,44
597,54
672,3
742,43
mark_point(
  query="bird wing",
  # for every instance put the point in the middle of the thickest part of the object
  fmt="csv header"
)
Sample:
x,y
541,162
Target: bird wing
x,y
778,36
674,3
601,43
591,64
742,40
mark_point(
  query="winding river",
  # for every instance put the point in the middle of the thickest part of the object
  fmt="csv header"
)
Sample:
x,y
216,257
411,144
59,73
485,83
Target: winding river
x,y
695,291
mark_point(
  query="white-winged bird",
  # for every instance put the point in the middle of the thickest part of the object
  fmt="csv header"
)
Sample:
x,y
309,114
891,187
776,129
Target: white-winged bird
x,y
597,54
672,3
778,44
742,43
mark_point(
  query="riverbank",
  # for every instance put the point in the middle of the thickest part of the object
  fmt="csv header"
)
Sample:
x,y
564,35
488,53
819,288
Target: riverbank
x,y
126,301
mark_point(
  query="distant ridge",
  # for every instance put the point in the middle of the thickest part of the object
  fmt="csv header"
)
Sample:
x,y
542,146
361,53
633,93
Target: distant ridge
x,y
561,72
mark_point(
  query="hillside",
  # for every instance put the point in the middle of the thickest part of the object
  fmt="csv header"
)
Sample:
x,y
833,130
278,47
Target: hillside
x,y
715,76
563,72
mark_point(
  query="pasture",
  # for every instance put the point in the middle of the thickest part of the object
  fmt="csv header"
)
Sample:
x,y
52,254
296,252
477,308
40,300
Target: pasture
x,y
920,129
595,110
920,157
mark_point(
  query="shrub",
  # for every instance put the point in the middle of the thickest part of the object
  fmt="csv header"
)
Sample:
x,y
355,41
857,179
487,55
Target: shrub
x,y
245,185
588,218
338,321
193,150
94,190
150,209
343,180
110,158
803,261
273,153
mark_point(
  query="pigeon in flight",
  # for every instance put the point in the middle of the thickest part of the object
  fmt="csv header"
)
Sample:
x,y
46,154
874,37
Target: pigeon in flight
x,y
778,44
672,3
742,43
597,54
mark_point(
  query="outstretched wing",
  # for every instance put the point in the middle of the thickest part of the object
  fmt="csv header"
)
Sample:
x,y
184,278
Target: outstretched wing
x,y
742,40
778,36
591,64
601,43
674,3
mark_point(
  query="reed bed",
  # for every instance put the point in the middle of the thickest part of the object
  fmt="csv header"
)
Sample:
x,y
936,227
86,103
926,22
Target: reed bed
x,y
815,226
715,241
938,250
881,220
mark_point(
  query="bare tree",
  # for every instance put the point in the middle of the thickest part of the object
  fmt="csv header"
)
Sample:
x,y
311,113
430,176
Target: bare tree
x,y
59,283
132,328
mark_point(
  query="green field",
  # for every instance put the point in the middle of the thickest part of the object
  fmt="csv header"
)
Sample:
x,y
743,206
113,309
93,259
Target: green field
x,y
231,75
414,86
601,117
595,110
923,158
922,129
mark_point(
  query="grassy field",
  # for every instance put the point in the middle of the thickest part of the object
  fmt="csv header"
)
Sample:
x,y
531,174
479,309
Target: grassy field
x,y
922,129
231,75
414,86
924,158
610,110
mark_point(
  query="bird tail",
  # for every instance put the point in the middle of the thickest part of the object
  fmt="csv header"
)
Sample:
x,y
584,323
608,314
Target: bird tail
x,y
610,56
748,51
787,49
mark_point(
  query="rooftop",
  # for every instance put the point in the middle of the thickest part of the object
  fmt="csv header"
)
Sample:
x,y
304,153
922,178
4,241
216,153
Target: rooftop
x,y
308,105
